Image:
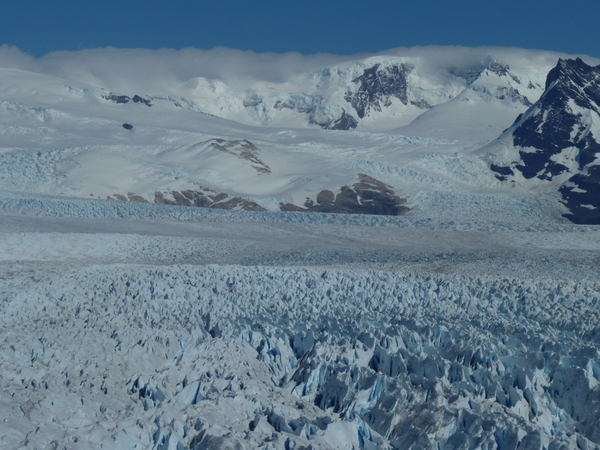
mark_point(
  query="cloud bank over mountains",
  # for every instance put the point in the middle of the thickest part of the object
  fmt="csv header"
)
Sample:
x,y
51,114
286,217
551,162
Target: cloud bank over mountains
x,y
152,71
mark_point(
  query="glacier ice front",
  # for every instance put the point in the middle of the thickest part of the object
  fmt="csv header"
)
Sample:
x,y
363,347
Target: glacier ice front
x,y
257,357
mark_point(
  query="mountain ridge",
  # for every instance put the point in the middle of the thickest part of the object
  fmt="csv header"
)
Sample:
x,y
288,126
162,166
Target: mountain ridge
x,y
412,121
557,139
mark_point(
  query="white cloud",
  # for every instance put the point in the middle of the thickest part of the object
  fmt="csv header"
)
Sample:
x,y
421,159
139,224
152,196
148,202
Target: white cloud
x,y
151,70
147,71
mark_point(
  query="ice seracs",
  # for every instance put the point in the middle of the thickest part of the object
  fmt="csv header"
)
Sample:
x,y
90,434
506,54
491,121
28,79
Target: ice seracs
x,y
274,358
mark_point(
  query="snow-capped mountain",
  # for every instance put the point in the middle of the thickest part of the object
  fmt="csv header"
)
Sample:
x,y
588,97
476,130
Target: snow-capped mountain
x,y
374,93
171,278
109,125
556,141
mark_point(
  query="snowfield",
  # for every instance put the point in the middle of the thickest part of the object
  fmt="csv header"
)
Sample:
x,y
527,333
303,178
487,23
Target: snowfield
x,y
131,321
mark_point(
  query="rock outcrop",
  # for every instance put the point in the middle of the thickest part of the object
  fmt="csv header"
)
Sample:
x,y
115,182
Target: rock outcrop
x,y
202,199
123,99
368,196
242,149
378,86
345,122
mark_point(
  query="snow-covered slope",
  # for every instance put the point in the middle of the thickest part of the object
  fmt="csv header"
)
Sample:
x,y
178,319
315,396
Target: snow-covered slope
x,y
494,95
372,93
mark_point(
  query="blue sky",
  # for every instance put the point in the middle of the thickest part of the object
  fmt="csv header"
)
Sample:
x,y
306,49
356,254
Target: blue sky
x,y
306,26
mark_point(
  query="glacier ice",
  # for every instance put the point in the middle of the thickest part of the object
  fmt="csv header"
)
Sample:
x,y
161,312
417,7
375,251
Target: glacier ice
x,y
226,356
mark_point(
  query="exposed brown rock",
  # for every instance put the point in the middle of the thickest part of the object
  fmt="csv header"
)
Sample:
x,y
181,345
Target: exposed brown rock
x,y
238,203
180,199
368,196
243,149
326,198
218,197
160,198
136,198
198,199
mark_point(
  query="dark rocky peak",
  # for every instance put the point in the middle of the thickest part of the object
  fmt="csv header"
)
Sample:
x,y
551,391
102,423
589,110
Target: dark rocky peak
x,y
503,71
499,69
472,73
574,79
575,69
469,74
555,138
377,86
560,118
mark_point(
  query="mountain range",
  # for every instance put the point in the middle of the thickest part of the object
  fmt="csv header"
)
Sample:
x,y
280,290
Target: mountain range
x,y
423,124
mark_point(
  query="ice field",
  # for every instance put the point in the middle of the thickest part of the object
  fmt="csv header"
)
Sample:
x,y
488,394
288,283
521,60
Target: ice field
x,y
470,322
209,333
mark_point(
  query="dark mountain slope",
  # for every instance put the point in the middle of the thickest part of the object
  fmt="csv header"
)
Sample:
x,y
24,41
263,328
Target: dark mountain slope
x,y
557,139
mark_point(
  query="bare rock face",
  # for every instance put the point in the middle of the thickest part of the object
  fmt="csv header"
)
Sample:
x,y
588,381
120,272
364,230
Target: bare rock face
x,y
118,99
243,149
368,196
138,99
556,140
206,198
123,99
326,198
377,86
202,199
344,122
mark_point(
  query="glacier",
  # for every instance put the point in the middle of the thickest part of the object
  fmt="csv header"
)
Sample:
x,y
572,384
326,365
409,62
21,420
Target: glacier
x,y
470,322
212,333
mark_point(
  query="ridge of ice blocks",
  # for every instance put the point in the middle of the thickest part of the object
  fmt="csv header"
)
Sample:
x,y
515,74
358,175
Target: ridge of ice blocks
x,y
197,357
